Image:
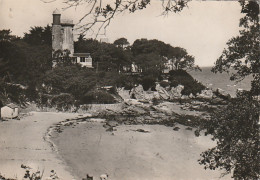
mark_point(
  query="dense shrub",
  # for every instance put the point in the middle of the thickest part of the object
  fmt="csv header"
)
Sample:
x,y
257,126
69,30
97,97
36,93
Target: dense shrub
x,y
63,101
148,82
190,84
128,82
99,97
164,84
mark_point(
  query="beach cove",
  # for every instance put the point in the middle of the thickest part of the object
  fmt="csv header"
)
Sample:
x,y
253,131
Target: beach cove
x,y
26,142
129,152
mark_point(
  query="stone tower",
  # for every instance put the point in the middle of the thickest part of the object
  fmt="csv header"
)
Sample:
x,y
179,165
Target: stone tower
x,y
62,33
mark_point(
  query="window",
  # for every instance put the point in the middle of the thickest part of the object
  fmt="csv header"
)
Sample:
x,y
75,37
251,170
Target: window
x,y
82,59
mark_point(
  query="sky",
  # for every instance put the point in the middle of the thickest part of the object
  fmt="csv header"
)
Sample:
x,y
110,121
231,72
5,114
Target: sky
x,y
202,29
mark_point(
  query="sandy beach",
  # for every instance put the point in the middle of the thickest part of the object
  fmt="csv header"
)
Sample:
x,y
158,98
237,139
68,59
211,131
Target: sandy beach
x,y
159,153
23,142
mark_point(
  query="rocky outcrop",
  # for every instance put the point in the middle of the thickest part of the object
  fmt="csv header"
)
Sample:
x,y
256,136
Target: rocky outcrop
x,y
172,93
175,92
222,94
206,94
125,94
137,92
163,94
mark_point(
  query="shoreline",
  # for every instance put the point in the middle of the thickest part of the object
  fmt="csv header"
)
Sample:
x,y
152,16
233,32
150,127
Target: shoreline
x,y
25,142
144,157
108,123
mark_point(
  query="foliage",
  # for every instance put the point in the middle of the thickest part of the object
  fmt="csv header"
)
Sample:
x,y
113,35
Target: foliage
x,y
151,64
148,82
98,96
62,58
71,79
182,77
62,101
144,46
6,35
39,36
180,59
236,131
128,82
100,13
106,57
159,53
164,84
236,128
121,42
242,53
22,63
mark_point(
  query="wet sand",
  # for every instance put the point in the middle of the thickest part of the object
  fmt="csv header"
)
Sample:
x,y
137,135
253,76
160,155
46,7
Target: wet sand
x,y
23,142
126,154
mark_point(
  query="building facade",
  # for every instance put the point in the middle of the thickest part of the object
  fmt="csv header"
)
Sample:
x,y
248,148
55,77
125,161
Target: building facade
x,y
62,39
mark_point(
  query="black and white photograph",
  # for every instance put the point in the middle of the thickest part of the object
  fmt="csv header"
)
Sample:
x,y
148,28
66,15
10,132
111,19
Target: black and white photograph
x,y
129,90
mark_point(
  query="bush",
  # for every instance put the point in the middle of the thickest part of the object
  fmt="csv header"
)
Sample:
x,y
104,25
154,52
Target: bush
x,y
63,101
148,82
164,84
128,82
190,84
99,97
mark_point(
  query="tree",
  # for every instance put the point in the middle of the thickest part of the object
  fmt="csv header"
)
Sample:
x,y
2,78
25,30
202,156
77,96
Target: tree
x,y
236,127
39,35
236,131
121,42
5,35
100,13
177,57
150,63
106,56
180,59
243,51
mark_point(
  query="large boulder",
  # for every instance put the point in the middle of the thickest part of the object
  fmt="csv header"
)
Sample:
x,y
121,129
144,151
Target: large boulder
x,y
125,94
162,92
222,94
175,92
149,95
206,94
137,92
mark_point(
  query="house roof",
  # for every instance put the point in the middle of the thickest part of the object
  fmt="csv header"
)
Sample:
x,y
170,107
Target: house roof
x,y
81,54
12,105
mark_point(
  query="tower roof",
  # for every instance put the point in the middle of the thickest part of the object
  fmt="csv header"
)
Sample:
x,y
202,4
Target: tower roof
x,y
56,11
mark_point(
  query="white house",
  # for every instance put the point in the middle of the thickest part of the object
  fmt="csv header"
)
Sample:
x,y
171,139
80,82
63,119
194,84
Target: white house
x,y
9,111
84,59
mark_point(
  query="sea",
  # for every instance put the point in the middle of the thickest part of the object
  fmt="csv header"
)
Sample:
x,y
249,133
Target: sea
x,y
220,80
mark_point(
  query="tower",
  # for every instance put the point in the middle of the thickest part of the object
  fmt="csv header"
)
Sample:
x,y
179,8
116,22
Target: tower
x,y
56,31
67,35
62,33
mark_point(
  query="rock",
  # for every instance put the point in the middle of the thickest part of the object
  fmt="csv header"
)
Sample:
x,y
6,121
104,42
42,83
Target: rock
x,y
184,97
162,92
125,94
156,95
175,92
176,128
148,95
132,102
222,94
137,92
206,94
218,101
191,96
